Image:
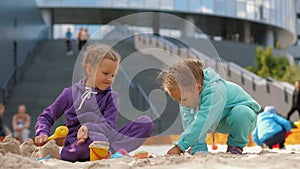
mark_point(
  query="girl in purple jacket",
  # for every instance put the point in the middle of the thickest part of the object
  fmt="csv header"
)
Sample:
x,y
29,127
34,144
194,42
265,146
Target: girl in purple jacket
x,y
91,108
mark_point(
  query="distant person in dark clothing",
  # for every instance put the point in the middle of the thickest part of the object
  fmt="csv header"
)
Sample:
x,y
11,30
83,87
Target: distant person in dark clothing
x,y
68,40
2,109
296,100
84,37
78,38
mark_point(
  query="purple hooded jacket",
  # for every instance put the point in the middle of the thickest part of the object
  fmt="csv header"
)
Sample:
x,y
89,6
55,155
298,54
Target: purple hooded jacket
x,y
95,109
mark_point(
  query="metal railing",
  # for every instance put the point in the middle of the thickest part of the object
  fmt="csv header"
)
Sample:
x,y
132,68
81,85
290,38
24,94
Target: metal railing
x,y
15,73
265,91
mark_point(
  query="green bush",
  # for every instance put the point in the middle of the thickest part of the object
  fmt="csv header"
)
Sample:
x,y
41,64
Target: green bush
x,y
266,65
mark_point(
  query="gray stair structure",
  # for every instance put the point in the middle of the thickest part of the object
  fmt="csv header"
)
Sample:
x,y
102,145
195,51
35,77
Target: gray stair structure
x,y
50,72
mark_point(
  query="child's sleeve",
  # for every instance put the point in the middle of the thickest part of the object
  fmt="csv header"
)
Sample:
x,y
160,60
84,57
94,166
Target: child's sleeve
x,y
283,122
186,116
211,108
47,118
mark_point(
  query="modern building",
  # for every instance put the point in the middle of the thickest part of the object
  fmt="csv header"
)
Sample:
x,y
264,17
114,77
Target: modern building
x,y
264,22
295,49
232,25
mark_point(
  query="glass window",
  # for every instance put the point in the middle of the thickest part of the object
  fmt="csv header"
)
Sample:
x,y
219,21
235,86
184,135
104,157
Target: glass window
x,y
273,17
119,3
85,3
258,2
181,5
241,8
230,7
273,4
266,4
103,3
250,9
208,6
66,2
195,5
136,3
279,19
279,6
266,15
152,4
219,7
54,2
166,4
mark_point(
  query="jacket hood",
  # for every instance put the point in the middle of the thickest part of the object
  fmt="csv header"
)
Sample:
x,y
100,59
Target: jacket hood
x,y
270,109
210,75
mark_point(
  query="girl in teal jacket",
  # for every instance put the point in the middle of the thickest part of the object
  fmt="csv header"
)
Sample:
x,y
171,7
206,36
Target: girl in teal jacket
x,y
209,103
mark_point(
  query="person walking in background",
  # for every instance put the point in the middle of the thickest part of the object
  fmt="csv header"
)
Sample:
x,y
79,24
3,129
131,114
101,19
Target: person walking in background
x,y
84,37
68,40
296,101
78,38
271,129
21,123
2,110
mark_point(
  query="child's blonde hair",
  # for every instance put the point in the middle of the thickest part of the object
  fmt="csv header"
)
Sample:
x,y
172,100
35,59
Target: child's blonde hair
x,y
185,73
96,53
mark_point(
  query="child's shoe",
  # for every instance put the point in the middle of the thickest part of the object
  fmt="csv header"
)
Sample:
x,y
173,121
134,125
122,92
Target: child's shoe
x,y
235,150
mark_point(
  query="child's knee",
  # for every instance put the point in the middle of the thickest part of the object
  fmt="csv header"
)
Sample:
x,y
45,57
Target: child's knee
x,y
243,115
146,120
146,123
244,112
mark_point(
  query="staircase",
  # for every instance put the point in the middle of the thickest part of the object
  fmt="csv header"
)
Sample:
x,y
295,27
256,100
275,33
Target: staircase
x,y
50,72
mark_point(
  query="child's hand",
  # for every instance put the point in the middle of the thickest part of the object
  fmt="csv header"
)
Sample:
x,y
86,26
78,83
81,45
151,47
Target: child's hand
x,y
174,151
82,135
41,139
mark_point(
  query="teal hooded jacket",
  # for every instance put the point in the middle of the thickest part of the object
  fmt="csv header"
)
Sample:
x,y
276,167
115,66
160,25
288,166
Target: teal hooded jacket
x,y
217,98
269,124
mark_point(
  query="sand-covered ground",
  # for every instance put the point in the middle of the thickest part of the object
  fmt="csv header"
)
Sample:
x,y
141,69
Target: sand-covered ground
x,y
253,157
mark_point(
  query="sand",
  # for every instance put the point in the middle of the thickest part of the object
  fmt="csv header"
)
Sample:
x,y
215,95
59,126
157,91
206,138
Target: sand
x,y
27,149
253,157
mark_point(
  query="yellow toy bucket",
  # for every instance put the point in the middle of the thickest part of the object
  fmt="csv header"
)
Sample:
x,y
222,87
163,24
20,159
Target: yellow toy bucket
x,y
98,153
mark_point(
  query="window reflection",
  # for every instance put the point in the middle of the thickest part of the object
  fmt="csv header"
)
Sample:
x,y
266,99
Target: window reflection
x,y
250,9
154,4
166,4
103,3
119,3
136,3
195,5
208,6
181,5
277,12
241,8
219,4
230,7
